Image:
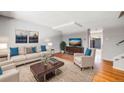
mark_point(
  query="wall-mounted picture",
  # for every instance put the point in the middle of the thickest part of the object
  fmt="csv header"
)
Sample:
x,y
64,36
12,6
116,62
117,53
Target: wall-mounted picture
x,y
21,36
75,41
33,37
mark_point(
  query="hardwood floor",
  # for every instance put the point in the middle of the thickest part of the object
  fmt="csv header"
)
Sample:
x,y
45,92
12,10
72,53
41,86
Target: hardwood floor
x,y
65,56
105,72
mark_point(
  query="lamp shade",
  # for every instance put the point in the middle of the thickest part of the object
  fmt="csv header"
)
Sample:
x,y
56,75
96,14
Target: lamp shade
x,y
3,45
50,44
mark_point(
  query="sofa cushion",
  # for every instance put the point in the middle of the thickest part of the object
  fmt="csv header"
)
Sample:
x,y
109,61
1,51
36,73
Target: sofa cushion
x,y
88,52
43,48
78,59
18,58
14,51
33,55
5,62
3,52
44,53
8,67
1,71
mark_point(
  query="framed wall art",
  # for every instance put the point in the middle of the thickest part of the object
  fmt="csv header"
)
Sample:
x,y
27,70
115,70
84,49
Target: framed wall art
x,y
33,37
21,36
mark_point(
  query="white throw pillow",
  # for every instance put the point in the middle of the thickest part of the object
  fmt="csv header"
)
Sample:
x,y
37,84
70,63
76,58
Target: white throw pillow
x,y
22,51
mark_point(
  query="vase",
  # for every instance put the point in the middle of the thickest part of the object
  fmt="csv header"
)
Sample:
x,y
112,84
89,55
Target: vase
x,y
45,64
62,51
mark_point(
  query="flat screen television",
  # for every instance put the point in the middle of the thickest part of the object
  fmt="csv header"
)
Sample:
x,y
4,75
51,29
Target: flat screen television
x,y
74,41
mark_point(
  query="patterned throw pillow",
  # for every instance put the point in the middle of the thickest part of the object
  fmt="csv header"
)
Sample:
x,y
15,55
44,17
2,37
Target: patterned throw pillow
x,y
28,50
21,50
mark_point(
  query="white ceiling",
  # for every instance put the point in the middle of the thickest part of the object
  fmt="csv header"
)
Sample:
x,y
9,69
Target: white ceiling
x,y
55,19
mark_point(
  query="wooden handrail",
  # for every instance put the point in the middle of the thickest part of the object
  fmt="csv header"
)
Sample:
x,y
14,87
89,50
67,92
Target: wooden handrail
x,y
120,42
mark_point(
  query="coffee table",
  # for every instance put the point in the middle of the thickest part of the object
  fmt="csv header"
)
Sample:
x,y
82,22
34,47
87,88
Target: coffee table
x,y
42,72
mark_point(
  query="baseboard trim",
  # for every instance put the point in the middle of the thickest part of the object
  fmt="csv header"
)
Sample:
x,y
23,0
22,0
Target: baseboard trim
x,y
118,68
108,60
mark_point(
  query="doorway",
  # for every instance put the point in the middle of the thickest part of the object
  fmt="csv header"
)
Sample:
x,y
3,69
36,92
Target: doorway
x,y
96,41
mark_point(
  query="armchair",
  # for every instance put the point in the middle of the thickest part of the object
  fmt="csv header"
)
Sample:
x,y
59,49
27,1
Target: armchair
x,y
84,61
10,74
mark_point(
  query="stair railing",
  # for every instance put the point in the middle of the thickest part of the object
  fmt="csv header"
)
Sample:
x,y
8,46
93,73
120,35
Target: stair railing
x,y
120,42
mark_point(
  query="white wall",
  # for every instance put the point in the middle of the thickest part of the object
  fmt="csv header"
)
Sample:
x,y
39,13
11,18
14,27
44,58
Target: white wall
x,y
110,37
83,35
8,26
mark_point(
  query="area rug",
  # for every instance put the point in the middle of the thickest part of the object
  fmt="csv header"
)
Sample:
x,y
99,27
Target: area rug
x,y
69,73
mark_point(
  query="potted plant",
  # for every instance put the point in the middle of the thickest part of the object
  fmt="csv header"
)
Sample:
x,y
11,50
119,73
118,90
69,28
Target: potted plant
x,y
45,61
62,46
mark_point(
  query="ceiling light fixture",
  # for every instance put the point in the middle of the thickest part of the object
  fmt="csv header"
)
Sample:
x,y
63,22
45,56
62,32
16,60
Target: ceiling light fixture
x,y
68,24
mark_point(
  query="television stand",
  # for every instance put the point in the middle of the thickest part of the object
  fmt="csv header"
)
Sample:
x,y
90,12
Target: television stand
x,y
72,49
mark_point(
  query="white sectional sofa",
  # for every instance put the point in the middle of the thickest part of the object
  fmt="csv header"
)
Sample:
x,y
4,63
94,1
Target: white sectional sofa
x,y
24,58
10,73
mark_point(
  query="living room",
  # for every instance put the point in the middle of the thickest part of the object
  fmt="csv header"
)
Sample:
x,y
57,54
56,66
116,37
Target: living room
x,y
61,36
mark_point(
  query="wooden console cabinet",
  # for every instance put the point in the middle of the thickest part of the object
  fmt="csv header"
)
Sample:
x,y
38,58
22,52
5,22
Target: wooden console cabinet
x,y
71,50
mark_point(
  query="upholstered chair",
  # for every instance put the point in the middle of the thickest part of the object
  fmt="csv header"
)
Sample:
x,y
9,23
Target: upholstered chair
x,y
10,74
84,61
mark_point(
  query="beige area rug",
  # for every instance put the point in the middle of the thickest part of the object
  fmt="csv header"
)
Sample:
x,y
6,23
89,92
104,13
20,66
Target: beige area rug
x,y
69,73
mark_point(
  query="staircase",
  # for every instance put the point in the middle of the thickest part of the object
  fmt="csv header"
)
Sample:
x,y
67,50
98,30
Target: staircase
x,y
118,61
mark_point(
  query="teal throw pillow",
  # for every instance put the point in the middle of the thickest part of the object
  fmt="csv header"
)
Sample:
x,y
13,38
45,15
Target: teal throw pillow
x,y
33,49
1,71
88,52
14,51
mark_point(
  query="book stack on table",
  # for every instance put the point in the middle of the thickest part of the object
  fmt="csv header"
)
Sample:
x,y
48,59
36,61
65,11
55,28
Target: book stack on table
x,y
53,61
